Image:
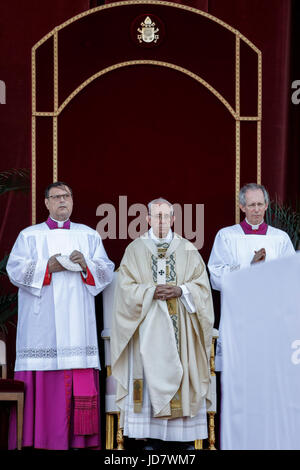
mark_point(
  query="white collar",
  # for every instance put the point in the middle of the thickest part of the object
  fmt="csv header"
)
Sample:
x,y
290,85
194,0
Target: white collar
x,y
157,240
60,223
254,227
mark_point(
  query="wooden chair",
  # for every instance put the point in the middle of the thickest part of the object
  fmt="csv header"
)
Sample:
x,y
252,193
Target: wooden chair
x,y
212,410
12,390
112,413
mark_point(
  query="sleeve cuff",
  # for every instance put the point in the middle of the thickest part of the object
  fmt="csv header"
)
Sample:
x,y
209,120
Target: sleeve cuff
x,y
184,289
88,278
47,277
187,300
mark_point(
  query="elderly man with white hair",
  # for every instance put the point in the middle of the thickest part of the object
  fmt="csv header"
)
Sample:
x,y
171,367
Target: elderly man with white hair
x,y
161,335
249,242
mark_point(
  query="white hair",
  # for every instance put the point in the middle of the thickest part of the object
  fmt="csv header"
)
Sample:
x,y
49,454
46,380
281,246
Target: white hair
x,y
160,200
252,187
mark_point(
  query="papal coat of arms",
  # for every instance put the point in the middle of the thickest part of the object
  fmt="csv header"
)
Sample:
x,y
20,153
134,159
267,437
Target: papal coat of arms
x,y
148,31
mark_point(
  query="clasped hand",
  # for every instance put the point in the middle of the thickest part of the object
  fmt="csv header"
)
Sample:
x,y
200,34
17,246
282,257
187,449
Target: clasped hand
x,y
76,257
260,255
166,291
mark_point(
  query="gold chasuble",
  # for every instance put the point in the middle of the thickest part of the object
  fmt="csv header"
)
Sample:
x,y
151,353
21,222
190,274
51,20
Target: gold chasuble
x,y
164,272
170,346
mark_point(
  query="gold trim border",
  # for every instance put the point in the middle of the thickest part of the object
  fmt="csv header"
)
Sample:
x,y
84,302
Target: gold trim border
x,y
235,114
55,69
146,2
237,128
33,138
55,94
128,63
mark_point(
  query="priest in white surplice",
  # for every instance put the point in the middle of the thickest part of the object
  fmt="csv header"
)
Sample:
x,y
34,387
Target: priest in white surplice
x,y
59,267
161,334
252,241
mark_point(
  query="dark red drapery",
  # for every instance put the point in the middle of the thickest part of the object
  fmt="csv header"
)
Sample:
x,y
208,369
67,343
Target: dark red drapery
x,y
271,25
268,26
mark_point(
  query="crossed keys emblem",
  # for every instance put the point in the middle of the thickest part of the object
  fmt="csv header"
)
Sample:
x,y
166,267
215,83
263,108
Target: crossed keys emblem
x,y
148,31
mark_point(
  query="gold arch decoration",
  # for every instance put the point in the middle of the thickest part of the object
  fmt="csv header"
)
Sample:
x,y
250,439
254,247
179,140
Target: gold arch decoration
x,y
234,112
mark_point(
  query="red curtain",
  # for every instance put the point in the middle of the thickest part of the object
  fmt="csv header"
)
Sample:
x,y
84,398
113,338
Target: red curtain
x,y
271,25
266,24
293,144
22,24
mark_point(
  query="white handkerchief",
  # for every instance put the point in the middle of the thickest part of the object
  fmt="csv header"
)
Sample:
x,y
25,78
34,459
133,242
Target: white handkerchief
x,y
68,264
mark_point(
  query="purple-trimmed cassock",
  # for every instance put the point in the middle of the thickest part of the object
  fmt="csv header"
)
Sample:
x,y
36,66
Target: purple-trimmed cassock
x,y
234,248
57,350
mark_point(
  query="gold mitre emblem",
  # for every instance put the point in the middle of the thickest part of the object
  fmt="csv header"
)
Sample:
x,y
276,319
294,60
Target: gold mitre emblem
x,y
148,31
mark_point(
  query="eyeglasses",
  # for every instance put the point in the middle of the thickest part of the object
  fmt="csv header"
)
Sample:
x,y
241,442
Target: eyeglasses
x,y
161,216
58,197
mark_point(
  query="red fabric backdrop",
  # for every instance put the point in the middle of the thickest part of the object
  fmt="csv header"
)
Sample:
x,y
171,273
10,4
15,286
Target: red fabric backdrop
x,y
23,23
144,131
267,24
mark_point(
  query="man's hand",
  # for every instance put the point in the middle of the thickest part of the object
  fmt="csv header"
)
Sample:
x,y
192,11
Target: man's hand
x,y
78,257
259,256
54,266
165,292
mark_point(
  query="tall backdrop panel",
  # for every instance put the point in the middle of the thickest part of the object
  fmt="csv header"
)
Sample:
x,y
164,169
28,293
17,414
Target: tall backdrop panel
x,y
173,110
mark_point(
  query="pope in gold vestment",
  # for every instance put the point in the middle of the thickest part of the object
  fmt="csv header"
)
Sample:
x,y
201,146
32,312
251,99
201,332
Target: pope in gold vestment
x,y
160,350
